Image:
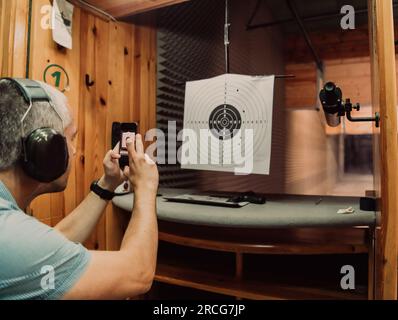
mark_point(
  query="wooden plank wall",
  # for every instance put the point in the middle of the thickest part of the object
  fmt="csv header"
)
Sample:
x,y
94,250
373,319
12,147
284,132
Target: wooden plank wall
x,y
121,60
384,98
44,52
13,33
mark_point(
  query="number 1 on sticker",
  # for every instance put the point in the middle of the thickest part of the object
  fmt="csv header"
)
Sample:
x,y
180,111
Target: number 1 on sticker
x,y
57,76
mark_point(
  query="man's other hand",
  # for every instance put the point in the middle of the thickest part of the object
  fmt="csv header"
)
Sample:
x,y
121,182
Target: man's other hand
x,y
113,176
142,171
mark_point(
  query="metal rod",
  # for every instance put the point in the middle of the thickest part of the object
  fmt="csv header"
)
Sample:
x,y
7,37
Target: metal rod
x,y
359,119
277,76
27,66
304,31
226,36
284,76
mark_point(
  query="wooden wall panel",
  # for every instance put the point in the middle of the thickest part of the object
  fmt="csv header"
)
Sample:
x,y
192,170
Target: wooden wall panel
x,y
3,36
145,66
95,59
13,37
121,91
86,103
44,52
124,90
384,100
134,58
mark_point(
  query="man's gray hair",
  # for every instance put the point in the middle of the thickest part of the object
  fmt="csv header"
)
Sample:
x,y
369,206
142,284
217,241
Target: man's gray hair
x,y
13,107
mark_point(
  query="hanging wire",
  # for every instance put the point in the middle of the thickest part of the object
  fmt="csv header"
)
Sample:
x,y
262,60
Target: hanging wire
x,y
227,25
226,36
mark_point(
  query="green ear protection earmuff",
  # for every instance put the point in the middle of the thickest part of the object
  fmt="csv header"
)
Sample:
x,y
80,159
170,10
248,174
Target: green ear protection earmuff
x,y
45,154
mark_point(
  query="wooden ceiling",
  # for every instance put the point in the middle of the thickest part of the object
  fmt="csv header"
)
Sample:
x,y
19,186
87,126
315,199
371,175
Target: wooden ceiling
x,y
123,8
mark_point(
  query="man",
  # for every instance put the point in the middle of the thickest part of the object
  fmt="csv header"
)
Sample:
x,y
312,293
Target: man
x,y
31,252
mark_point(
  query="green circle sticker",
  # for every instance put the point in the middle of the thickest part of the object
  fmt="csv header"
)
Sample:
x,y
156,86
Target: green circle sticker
x,y
56,76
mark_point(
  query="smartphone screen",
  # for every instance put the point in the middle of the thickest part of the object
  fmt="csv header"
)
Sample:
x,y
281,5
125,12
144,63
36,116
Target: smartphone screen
x,y
120,133
123,142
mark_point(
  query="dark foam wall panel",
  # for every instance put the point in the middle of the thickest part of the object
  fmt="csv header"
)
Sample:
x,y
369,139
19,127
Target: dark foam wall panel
x,y
190,47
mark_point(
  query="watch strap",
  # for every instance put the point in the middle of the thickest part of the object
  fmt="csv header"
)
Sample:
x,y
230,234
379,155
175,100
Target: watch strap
x,y
102,193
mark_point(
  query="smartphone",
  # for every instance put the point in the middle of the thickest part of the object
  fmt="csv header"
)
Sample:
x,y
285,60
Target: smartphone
x,y
120,133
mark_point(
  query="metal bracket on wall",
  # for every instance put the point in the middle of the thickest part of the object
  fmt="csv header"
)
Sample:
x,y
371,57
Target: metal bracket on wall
x,y
89,82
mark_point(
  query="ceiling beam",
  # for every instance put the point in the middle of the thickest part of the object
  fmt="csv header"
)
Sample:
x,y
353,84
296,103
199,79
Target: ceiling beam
x,y
124,8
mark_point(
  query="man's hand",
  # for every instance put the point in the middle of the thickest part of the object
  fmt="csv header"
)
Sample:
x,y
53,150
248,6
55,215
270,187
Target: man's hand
x,y
113,176
142,171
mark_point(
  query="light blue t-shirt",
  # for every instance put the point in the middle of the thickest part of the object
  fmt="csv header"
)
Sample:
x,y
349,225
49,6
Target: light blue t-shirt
x,y
36,261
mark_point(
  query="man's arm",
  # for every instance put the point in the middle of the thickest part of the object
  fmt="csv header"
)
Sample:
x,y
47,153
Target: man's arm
x,y
129,271
79,224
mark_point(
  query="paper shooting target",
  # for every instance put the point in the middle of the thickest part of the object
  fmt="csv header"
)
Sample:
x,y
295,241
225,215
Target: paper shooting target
x,y
227,107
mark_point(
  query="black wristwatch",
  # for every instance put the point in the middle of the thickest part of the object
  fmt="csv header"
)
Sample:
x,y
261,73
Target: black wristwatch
x,y
102,193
